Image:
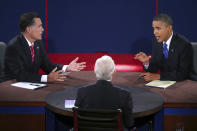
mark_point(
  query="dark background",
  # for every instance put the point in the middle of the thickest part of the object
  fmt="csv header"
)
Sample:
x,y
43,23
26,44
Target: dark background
x,y
88,26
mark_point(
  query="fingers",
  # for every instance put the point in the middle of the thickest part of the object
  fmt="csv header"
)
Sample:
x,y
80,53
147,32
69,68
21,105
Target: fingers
x,y
75,60
82,63
53,78
151,76
54,69
140,55
142,74
56,75
74,66
79,68
60,75
137,55
63,75
60,80
59,71
146,78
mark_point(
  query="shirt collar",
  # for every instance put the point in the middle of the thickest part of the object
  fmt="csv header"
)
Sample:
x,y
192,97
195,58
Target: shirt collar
x,y
168,41
29,43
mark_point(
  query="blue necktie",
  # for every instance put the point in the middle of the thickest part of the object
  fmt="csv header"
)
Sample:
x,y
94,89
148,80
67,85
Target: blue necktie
x,y
165,50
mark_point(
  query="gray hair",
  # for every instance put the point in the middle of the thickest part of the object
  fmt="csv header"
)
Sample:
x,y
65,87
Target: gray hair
x,y
164,18
104,68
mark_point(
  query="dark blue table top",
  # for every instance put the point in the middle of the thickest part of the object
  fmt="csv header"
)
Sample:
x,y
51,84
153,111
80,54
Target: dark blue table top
x,y
145,102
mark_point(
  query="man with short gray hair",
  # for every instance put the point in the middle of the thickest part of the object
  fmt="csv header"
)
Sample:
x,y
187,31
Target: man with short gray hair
x,y
103,95
104,68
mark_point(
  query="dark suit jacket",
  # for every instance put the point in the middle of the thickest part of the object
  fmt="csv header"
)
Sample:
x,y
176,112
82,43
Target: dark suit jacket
x,y
18,60
179,63
103,95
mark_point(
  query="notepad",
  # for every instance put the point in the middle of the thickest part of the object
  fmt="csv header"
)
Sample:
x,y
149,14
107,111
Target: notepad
x,y
29,85
160,84
69,103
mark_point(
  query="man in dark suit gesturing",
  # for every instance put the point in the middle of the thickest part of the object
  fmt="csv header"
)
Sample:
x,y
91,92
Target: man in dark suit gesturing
x,y
171,53
103,95
25,55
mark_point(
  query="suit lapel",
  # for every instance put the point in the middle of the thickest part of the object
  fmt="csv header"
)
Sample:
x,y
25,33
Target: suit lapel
x,y
26,49
172,48
160,50
36,50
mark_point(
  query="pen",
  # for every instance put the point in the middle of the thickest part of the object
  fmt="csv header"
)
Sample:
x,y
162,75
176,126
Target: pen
x,y
34,85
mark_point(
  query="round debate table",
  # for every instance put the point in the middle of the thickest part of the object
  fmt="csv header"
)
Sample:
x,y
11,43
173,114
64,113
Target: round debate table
x,y
145,102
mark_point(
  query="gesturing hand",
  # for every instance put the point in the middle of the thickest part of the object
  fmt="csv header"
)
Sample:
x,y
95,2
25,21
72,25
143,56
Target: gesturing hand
x,y
56,75
74,66
141,56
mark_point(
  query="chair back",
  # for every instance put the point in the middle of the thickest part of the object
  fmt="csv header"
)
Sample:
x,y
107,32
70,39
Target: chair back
x,y
2,54
194,66
97,120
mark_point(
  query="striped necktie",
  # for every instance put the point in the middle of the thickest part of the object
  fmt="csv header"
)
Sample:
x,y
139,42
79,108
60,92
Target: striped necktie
x,y
165,50
32,52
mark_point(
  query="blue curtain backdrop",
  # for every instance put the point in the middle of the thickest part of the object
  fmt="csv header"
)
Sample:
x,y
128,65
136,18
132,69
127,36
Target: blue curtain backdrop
x,y
10,12
115,26
88,26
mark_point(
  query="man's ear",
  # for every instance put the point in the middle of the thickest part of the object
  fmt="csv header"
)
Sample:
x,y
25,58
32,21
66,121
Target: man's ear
x,y
114,73
170,27
28,29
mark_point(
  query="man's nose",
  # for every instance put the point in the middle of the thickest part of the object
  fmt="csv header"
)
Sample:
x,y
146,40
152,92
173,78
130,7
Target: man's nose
x,y
155,32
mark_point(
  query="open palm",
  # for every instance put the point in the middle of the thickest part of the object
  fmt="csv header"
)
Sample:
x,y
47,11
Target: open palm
x,y
74,66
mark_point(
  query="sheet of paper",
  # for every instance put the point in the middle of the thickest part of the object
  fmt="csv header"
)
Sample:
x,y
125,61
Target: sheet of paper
x,y
28,85
161,84
69,103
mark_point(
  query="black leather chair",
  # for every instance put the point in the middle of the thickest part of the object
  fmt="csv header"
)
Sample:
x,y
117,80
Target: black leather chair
x,y
193,74
2,55
97,120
